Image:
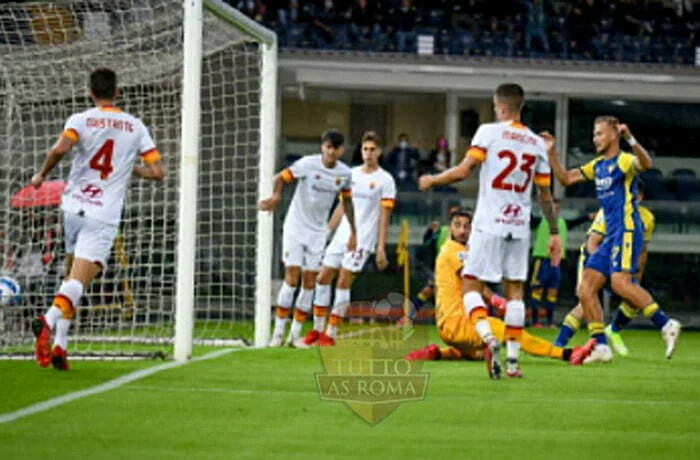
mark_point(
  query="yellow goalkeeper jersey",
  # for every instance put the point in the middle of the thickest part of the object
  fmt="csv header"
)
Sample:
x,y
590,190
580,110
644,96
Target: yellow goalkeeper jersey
x,y
448,281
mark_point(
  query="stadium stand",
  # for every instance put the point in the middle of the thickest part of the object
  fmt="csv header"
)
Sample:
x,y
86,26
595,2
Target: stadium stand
x,y
641,31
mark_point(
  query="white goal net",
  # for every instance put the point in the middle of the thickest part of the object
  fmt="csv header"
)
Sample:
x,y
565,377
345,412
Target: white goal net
x,y
48,50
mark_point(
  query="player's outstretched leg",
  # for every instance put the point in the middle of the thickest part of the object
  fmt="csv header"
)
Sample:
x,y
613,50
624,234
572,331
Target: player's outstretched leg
x,y
475,308
536,346
572,323
68,297
285,298
302,307
592,281
637,296
625,313
670,328
42,334
515,320
340,308
427,353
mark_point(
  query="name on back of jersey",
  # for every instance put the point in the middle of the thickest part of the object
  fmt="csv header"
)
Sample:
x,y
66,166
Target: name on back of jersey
x,y
519,137
110,123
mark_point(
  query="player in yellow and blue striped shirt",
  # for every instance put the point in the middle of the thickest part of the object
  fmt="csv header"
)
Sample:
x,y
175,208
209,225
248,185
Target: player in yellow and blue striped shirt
x,y
617,258
594,238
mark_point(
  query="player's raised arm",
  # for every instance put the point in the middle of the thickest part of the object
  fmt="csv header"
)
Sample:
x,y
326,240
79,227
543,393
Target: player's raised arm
x,y
564,176
643,158
454,174
63,145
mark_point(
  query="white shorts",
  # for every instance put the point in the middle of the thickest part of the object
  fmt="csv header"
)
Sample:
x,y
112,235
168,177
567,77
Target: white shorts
x,y
305,254
337,256
494,258
88,238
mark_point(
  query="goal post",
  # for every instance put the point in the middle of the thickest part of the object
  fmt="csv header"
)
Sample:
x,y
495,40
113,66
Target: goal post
x,y
195,254
192,47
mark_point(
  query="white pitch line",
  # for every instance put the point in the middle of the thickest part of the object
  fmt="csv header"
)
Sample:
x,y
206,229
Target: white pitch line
x,y
471,399
123,380
107,386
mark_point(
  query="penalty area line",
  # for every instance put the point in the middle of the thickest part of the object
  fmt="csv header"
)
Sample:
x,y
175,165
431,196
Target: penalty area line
x,y
104,387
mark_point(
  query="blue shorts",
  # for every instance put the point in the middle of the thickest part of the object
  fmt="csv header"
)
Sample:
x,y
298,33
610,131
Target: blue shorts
x,y
618,253
544,276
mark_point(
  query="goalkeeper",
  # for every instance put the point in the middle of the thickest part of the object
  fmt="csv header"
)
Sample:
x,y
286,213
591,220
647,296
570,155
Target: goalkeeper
x,y
456,328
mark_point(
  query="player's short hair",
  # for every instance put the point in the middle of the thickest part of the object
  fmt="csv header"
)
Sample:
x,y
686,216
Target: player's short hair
x,y
608,119
334,137
371,136
640,186
512,95
103,83
460,212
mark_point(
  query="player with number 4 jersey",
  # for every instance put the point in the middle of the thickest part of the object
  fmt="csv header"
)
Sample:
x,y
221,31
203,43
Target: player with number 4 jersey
x,y
511,158
106,142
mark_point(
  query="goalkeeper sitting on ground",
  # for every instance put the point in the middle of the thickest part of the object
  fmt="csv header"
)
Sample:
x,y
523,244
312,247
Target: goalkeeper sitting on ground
x,y
457,329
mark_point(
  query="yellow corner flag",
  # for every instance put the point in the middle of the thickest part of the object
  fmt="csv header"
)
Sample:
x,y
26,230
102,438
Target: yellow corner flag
x,y
403,260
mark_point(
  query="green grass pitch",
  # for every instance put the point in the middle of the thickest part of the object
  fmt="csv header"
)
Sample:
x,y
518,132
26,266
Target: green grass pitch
x,y
264,404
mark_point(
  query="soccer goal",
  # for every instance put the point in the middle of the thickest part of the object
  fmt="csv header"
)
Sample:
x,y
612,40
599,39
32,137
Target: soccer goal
x,y
192,250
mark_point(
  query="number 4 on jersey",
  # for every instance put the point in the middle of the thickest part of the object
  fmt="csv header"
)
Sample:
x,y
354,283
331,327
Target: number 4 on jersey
x,y
102,159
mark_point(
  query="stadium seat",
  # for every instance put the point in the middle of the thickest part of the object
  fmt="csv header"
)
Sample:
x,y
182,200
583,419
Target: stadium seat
x,y
686,187
683,172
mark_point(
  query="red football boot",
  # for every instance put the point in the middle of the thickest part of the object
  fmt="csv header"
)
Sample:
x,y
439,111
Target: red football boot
x,y
42,347
59,358
578,354
429,353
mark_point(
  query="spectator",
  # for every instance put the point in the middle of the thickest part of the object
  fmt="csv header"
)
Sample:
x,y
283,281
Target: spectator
x,y
364,28
327,23
401,163
254,9
404,20
440,158
625,17
536,24
292,20
579,23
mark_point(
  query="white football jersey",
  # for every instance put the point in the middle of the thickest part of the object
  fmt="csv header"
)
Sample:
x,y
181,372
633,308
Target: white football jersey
x,y
370,192
316,190
512,158
108,143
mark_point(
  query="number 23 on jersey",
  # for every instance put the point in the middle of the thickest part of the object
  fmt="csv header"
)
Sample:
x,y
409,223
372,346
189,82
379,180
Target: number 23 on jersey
x,y
500,182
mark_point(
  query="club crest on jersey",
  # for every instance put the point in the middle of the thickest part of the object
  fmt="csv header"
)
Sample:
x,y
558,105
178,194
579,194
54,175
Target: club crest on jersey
x,y
511,210
338,180
372,185
318,177
92,191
